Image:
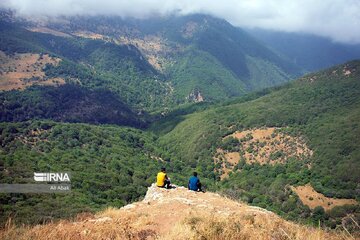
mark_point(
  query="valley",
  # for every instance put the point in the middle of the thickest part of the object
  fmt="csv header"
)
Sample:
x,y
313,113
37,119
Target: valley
x,y
112,100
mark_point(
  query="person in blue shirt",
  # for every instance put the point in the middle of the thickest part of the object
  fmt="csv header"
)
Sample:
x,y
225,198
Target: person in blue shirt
x,y
194,183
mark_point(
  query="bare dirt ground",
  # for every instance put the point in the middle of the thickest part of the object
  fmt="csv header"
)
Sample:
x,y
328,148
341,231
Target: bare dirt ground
x,y
312,199
175,214
22,70
264,146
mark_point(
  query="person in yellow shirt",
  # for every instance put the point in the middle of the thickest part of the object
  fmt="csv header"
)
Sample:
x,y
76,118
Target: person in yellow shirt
x,y
162,179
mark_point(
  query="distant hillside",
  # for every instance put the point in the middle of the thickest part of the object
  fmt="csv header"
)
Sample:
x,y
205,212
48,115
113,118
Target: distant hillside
x,y
95,64
152,64
310,52
158,63
223,50
176,214
319,112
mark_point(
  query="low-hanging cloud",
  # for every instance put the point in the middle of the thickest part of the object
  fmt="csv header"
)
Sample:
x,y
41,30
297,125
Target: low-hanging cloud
x,y
336,19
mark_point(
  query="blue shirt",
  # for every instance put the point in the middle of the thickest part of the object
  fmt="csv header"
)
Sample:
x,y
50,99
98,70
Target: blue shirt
x,y
193,183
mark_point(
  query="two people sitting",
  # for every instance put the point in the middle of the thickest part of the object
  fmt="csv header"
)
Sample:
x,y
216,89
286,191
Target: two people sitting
x,y
163,181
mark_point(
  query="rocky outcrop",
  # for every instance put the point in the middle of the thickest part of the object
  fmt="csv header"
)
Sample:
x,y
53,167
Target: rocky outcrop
x,y
175,214
195,96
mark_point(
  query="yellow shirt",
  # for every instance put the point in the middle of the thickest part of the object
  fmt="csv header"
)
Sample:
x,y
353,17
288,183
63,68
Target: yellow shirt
x,y
160,179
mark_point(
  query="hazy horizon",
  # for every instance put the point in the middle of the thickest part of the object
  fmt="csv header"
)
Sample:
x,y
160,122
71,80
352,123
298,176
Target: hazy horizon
x,y
338,20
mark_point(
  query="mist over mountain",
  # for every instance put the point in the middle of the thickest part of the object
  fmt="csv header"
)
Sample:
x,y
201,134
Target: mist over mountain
x,y
307,51
336,19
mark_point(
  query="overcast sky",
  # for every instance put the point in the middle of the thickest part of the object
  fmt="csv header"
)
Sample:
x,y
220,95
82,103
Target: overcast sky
x,y
337,19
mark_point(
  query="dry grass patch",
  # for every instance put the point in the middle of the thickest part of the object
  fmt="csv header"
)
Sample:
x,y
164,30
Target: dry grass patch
x,y
227,160
312,199
262,145
22,70
245,227
89,229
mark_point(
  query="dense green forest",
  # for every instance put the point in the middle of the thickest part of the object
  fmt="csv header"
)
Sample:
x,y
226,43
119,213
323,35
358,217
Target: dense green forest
x,y
67,103
110,166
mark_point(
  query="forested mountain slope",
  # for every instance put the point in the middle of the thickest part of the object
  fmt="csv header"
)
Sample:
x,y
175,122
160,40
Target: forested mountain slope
x,y
93,64
151,64
67,103
319,112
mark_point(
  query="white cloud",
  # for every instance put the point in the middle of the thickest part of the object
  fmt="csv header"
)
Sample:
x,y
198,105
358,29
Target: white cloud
x,y
337,19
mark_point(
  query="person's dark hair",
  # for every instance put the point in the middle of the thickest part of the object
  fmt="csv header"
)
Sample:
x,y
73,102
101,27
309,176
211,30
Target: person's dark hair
x,y
195,174
163,169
